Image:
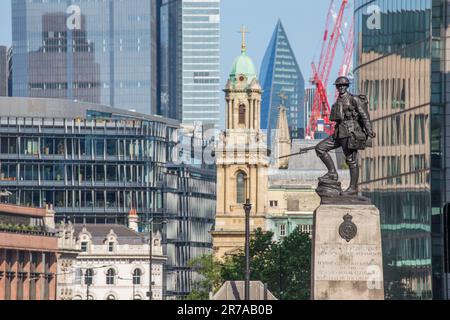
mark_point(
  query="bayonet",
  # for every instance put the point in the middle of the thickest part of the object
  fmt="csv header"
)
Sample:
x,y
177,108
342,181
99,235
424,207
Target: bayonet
x,y
302,151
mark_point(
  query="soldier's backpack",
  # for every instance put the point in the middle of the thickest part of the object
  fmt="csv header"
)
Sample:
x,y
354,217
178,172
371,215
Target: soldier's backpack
x,y
359,140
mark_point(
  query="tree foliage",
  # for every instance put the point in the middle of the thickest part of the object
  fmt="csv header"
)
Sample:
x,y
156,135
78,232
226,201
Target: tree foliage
x,y
284,266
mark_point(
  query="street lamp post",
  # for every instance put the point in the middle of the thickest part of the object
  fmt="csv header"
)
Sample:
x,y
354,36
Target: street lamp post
x,y
149,224
247,208
150,292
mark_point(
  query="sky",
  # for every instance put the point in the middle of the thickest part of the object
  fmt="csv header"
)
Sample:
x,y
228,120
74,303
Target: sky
x,y
304,22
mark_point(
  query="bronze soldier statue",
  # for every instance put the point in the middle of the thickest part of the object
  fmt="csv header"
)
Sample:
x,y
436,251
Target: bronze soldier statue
x,y
353,131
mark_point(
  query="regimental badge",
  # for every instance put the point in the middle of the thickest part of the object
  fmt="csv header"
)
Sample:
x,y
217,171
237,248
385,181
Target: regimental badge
x,y
348,230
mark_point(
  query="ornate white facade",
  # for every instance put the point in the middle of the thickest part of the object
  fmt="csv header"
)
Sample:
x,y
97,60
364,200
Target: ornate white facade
x,y
111,263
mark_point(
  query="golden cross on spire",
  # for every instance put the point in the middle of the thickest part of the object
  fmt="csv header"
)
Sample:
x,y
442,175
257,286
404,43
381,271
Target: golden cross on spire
x,y
243,31
283,97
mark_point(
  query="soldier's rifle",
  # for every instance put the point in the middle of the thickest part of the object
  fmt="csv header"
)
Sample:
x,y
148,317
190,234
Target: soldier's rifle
x,y
302,151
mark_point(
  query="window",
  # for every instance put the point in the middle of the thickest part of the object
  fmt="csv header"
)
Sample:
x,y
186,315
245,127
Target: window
x,y
89,277
110,276
111,247
111,297
137,275
242,114
78,276
282,230
273,204
84,247
241,187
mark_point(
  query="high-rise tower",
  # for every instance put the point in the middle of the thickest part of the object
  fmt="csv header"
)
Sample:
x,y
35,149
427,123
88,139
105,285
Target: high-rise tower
x,y
91,51
280,73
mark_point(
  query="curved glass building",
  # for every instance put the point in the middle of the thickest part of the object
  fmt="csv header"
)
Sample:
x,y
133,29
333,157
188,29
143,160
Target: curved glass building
x,y
399,63
93,163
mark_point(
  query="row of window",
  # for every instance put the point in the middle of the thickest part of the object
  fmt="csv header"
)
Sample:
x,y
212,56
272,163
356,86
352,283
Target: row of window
x,y
99,147
99,199
79,173
111,277
397,169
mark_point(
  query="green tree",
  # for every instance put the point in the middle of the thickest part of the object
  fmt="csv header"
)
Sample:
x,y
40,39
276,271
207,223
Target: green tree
x,y
208,268
261,244
291,262
285,267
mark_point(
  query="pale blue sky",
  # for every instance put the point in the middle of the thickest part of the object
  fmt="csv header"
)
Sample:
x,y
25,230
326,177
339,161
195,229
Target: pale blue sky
x,y
303,20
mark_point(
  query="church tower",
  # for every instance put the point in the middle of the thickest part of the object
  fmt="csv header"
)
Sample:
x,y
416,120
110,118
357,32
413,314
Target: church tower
x,y
282,143
241,158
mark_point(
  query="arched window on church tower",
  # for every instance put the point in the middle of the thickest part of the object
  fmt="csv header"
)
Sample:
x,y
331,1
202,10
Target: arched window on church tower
x,y
241,181
241,114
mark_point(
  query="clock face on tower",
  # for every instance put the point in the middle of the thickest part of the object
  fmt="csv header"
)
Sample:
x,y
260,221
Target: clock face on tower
x,y
241,78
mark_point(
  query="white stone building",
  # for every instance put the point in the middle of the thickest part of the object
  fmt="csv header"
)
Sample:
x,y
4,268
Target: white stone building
x,y
108,262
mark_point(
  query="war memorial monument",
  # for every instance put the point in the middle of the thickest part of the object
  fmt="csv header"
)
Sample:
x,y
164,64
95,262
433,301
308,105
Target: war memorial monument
x,y
347,253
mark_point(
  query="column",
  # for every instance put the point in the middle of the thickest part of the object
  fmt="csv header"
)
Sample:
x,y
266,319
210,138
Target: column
x,y
229,103
249,114
2,271
15,270
258,114
254,114
54,271
39,280
27,270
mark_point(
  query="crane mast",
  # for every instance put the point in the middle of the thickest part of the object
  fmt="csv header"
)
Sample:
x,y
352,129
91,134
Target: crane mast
x,y
321,108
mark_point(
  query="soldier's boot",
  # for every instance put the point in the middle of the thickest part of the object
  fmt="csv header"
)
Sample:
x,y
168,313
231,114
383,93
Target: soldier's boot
x,y
354,178
329,163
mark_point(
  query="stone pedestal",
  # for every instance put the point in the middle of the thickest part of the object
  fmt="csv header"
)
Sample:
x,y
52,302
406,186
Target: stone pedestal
x,y
347,254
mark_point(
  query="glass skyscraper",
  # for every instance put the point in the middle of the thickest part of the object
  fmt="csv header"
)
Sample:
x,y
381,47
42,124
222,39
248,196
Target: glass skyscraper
x,y
280,75
190,60
400,65
92,51
4,71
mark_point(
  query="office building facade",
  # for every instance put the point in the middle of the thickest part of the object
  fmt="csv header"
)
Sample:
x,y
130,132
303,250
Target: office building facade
x,y
4,71
190,204
91,51
28,253
400,64
93,163
309,103
189,61
280,76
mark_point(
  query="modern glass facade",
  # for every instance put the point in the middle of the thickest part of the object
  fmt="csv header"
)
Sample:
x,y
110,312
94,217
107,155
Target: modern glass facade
x,y
190,202
309,103
170,60
280,74
4,71
400,66
93,163
190,60
92,51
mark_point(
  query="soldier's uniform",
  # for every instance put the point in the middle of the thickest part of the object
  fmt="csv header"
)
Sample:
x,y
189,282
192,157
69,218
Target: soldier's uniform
x,y
353,127
351,117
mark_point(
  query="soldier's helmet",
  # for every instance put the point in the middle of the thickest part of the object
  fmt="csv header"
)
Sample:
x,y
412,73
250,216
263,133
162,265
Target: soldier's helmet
x,y
342,81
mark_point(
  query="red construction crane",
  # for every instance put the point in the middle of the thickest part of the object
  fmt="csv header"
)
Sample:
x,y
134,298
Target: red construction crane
x,y
321,108
346,66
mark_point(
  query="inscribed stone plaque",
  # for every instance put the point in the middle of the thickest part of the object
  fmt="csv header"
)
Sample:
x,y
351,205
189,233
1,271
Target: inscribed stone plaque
x,y
346,269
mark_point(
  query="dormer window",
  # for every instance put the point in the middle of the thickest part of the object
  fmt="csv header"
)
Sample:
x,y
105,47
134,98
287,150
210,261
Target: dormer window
x,y
241,114
111,246
84,246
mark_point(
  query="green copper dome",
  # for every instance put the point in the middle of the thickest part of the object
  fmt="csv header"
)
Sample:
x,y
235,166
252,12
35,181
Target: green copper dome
x,y
243,65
